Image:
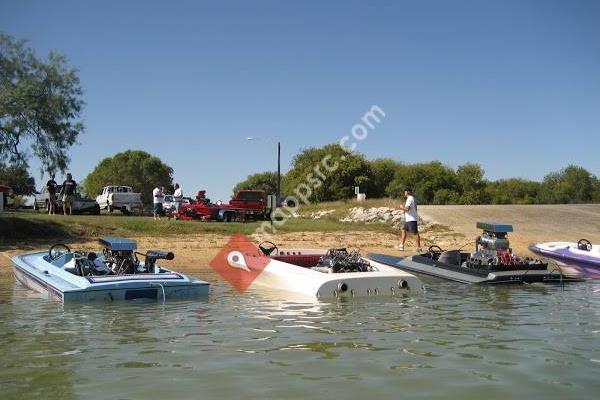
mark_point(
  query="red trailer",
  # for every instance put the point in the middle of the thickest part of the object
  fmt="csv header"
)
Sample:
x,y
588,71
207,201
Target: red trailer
x,y
250,204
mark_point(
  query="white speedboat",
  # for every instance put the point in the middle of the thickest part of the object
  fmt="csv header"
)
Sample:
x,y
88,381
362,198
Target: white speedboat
x,y
331,273
62,275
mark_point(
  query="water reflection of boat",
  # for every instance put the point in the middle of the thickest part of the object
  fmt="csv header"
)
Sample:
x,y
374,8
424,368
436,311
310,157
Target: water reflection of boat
x,y
62,275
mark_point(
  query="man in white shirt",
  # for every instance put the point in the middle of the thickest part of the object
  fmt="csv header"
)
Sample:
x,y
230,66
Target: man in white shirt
x,y
157,199
177,196
411,219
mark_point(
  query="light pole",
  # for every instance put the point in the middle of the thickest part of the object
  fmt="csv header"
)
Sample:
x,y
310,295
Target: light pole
x,y
278,169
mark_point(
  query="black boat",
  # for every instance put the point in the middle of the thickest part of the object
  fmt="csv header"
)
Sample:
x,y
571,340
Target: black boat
x,y
492,262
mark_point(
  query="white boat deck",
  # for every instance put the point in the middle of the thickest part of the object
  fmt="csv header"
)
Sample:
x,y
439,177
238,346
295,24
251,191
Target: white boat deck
x,y
382,281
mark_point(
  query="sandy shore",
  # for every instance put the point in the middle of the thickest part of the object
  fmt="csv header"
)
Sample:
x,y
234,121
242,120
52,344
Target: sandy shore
x,y
193,253
535,223
531,223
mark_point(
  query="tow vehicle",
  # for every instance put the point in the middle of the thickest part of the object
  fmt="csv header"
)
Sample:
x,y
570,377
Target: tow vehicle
x,y
121,198
251,204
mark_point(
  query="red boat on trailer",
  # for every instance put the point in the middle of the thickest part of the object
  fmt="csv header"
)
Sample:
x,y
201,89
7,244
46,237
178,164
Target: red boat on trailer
x,y
246,204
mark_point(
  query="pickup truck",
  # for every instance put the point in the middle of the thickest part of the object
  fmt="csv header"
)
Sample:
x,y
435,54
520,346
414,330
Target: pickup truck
x,y
121,198
245,205
7,197
169,203
41,200
81,204
251,203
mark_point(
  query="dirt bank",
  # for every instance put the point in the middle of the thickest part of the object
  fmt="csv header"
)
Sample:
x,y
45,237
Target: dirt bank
x,y
535,223
531,223
193,253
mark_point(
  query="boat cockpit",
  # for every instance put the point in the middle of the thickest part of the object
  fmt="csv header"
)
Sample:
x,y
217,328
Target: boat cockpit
x,y
337,260
119,257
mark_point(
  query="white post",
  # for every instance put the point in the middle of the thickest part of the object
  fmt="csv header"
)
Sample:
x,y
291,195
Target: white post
x,y
359,196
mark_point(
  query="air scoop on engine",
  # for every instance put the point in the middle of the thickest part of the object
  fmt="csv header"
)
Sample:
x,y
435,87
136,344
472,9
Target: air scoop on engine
x,y
494,236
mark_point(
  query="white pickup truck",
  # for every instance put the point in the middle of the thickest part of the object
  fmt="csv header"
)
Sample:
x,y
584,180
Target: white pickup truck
x,y
121,198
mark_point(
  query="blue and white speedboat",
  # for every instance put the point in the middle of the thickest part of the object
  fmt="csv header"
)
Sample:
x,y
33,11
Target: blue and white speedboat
x,y
117,274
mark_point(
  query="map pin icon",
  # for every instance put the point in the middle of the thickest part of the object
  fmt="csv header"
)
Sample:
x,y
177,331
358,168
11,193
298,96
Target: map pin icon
x,y
236,259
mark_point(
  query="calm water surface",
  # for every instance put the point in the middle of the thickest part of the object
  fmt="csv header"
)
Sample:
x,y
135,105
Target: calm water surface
x,y
454,341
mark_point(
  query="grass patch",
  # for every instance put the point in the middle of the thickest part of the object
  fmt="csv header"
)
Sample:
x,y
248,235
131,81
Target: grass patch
x,y
14,228
23,226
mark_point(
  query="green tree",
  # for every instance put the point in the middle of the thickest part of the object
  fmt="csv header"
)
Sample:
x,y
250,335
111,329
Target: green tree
x,y
18,178
266,181
513,191
472,184
446,196
573,184
40,105
352,170
383,170
470,177
134,168
425,178
596,190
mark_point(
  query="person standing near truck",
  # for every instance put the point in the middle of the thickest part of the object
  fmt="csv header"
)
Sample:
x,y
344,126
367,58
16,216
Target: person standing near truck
x,y
51,187
67,192
177,196
157,200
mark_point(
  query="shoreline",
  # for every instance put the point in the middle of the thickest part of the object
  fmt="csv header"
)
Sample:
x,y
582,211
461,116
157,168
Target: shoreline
x,y
194,248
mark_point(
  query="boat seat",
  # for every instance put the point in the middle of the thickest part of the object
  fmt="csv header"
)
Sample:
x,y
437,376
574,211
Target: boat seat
x,y
451,257
301,260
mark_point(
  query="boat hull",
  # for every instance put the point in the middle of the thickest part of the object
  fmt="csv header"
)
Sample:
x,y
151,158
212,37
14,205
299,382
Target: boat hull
x,y
419,265
56,284
384,281
32,282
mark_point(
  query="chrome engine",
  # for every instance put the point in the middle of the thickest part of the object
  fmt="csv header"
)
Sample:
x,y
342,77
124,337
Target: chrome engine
x,y
340,260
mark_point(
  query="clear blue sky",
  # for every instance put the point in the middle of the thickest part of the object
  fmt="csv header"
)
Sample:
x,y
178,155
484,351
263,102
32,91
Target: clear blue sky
x,y
512,85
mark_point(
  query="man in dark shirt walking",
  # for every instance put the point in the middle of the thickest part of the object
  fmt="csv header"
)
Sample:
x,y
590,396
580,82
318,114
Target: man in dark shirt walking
x,y
51,189
67,192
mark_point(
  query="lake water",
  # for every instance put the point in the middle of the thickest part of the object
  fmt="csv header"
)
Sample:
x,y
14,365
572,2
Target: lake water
x,y
454,341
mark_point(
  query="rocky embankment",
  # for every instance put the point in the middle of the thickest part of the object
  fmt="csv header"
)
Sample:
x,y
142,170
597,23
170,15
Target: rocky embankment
x,y
368,215
431,231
